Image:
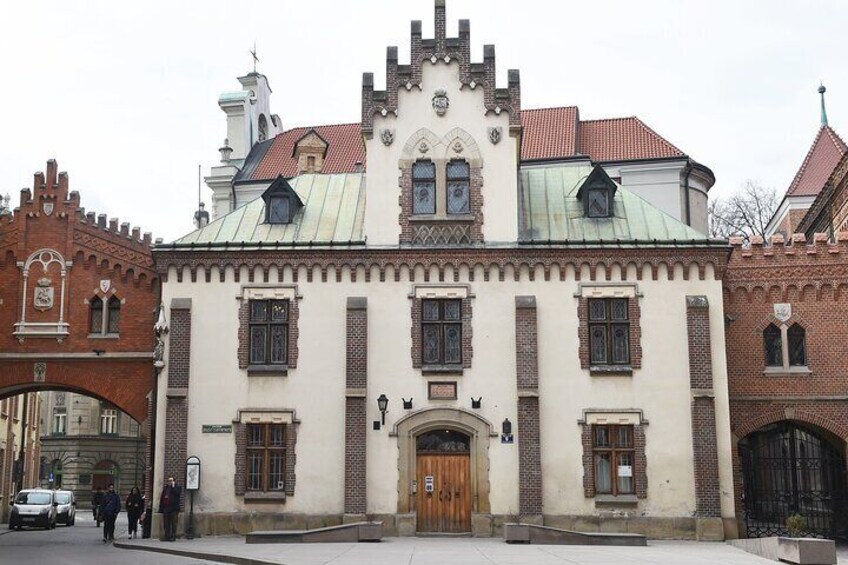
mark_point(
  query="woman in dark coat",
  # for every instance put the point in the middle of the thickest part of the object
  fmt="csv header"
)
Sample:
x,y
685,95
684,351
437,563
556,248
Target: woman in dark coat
x,y
135,508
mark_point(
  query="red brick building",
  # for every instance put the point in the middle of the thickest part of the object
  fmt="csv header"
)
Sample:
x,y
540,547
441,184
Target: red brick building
x,y
78,298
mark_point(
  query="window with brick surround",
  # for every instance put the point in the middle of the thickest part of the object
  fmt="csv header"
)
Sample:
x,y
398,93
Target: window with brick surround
x,y
609,331
441,332
614,455
266,457
458,187
104,316
268,331
423,187
784,347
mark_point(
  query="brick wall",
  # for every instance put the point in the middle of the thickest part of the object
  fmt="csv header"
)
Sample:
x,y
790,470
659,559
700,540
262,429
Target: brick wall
x,y
704,435
179,370
527,380
356,372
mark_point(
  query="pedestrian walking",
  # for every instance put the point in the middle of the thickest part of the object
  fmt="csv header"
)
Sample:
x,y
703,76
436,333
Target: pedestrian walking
x,y
135,508
169,507
109,511
96,501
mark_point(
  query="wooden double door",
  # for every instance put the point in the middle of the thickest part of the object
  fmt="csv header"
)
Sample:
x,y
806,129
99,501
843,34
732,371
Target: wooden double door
x,y
443,500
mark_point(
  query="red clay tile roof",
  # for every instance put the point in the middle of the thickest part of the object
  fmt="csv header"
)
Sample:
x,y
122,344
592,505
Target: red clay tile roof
x,y
549,133
820,162
345,149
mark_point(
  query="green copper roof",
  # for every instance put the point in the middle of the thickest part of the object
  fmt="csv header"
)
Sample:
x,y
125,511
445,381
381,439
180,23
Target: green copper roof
x,y
333,214
549,211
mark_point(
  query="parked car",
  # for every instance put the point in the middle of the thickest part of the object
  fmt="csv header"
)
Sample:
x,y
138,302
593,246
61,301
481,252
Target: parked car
x,y
33,507
66,511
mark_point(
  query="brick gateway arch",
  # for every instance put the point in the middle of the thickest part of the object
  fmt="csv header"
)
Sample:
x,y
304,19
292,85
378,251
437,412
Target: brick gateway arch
x,y
78,301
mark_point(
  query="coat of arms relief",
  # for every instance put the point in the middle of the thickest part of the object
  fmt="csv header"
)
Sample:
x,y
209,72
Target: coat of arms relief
x,y
42,299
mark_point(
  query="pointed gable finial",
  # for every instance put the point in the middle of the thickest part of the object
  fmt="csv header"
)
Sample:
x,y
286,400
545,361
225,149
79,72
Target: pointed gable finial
x,y
822,90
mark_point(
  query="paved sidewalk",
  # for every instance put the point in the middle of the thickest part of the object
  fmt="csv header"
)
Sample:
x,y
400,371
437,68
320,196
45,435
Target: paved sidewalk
x,y
446,551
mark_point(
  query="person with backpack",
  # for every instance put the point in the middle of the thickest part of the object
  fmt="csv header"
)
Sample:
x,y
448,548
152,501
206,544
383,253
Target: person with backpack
x,y
109,509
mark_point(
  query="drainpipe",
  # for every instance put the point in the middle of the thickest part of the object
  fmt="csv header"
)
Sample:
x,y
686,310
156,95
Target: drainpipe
x,y
685,184
22,452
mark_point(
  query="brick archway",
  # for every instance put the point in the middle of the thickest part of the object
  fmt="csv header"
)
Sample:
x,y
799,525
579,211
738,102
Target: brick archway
x,y
794,414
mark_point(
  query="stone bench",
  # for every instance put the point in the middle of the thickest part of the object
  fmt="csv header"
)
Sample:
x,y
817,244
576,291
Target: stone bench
x,y
344,533
529,533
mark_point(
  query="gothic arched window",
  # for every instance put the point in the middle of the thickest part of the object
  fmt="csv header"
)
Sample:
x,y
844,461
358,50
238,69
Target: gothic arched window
x,y
795,336
113,315
773,343
95,315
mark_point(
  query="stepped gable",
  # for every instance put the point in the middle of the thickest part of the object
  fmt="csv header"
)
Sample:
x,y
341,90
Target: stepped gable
x,y
85,235
431,51
821,160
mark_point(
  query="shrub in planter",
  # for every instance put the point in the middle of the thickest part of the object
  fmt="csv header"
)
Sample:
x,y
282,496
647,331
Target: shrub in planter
x,y
796,525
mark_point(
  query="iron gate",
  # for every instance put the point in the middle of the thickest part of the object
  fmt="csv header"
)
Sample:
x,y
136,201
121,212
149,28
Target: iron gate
x,y
788,470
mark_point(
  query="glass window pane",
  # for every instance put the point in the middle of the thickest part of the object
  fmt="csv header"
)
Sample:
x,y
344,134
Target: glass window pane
x,y
619,309
624,436
430,309
453,343
423,170
278,212
96,325
598,204
621,344
258,337
797,349
279,310
601,434
277,435
279,345
597,309
258,310
430,346
254,470
423,197
459,197
255,435
452,310
276,472
624,473
598,344
114,315
603,473
457,170
773,346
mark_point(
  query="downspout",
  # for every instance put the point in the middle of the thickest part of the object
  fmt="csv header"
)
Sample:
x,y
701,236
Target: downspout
x,y
685,185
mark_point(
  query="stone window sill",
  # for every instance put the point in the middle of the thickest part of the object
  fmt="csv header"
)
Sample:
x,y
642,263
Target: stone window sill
x,y
104,336
267,370
611,370
629,500
784,372
274,496
441,369
448,218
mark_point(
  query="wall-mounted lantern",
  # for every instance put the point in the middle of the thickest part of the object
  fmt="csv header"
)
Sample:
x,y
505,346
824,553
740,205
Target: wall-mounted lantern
x,y
506,431
383,405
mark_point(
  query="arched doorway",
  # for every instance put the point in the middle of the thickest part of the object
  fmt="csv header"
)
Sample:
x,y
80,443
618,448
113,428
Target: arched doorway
x,y
452,447
788,469
106,472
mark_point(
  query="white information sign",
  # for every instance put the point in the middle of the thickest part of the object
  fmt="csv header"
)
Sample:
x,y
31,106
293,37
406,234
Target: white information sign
x,y
625,471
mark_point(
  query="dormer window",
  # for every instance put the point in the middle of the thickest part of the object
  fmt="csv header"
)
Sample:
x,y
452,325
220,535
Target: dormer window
x,y
278,210
281,202
597,193
597,205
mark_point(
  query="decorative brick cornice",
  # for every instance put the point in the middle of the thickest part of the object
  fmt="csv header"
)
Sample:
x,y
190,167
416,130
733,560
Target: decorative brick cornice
x,y
525,263
441,50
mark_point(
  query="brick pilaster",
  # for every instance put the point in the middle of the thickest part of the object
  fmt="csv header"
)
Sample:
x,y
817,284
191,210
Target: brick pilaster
x,y
704,442
176,417
356,380
527,381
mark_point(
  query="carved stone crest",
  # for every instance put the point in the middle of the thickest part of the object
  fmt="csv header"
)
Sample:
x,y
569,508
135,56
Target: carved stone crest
x,y
43,295
47,207
495,134
783,312
105,285
39,371
422,147
457,147
387,136
440,101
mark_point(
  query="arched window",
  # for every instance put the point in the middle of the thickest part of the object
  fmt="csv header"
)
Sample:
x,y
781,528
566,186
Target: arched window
x,y
773,342
423,187
114,315
96,315
459,187
797,348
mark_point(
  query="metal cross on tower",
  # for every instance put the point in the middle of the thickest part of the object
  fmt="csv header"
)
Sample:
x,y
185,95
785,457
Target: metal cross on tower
x,y
255,58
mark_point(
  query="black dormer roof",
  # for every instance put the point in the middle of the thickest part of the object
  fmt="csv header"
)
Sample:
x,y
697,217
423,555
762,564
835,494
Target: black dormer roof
x,y
281,187
597,179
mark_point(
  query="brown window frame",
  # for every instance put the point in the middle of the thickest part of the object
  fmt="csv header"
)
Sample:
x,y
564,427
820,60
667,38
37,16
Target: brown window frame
x,y
442,323
266,450
609,324
615,452
268,323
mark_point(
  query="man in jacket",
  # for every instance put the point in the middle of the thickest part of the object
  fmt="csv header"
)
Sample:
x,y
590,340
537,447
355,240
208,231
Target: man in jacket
x,y
109,509
169,507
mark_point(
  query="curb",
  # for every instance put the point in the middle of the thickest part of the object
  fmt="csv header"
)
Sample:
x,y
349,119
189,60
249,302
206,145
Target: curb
x,y
196,554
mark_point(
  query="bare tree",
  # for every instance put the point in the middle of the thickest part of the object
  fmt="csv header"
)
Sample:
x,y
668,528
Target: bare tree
x,y
746,212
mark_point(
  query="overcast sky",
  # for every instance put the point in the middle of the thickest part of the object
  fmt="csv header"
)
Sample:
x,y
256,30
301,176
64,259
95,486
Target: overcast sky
x,y
124,95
